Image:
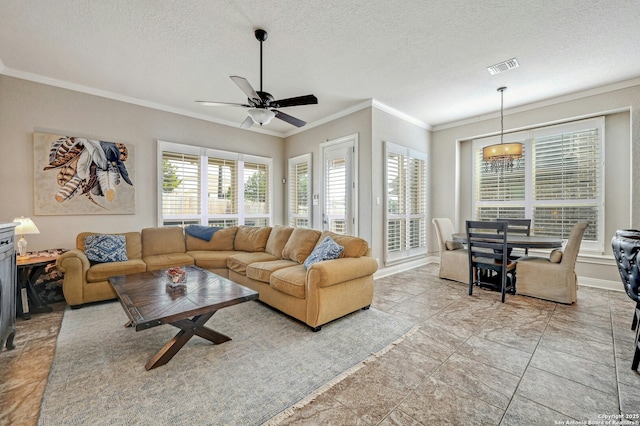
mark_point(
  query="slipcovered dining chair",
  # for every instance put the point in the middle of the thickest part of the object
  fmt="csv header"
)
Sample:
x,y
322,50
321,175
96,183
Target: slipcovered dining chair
x,y
487,250
454,261
553,278
626,245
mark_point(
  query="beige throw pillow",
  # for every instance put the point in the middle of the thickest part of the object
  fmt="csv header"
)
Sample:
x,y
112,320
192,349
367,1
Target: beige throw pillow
x,y
555,256
453,245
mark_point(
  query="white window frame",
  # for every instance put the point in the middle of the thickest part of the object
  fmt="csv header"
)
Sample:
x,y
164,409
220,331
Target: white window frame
x,y
527,138
406,252
204,153
293,187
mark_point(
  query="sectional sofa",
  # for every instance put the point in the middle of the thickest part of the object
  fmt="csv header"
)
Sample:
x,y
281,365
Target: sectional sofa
x,y
269,260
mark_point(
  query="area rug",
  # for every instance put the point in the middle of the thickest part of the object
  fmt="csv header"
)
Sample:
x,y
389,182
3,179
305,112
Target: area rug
x,y
273,362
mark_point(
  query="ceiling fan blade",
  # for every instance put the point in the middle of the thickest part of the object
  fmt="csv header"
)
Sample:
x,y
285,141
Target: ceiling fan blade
x,y
232,104
289,119
246,87
298,100
247,123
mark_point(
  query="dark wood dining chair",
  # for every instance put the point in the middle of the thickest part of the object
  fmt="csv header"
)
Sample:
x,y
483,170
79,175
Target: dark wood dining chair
x,y
520,227
487,247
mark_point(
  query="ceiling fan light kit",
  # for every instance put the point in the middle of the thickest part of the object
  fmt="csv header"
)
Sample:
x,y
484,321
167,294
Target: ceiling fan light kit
x,y
262,105
261,115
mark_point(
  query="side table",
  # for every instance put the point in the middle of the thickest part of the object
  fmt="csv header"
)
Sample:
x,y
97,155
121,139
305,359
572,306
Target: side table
x,y
29,270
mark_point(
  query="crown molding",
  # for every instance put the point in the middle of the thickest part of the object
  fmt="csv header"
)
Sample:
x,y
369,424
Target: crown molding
x,y
399,114
122,98
543,103
369,103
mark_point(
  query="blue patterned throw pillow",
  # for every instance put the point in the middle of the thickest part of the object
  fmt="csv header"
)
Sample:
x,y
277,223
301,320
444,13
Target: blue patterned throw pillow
x,y
105,248
326,250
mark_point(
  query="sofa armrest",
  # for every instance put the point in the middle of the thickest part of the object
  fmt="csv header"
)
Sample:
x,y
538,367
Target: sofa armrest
x,y
74,264
331,272
72,259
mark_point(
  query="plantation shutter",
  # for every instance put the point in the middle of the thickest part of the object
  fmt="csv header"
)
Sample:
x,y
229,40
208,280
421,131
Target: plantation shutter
x,y
202,186
559,182
406,203
335,194
181,195
417,203
256,194
300,191
567,182
222,185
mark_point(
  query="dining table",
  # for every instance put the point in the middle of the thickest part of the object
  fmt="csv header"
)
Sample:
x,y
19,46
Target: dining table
x,y
521,241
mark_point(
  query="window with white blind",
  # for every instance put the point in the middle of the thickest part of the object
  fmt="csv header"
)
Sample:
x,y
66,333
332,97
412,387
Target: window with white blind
x,y
200,186
406,201
300,191
560,181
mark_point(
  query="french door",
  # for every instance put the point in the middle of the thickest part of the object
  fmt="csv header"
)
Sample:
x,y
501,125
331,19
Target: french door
x,y
339,207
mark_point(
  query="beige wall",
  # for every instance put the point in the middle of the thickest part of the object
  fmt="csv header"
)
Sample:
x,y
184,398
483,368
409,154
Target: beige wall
x,y
451,186
26,107
389,128
309,141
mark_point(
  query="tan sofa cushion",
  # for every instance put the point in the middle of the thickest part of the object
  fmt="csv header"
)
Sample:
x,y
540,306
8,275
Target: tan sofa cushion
x,y
211,259
169,260
261,271
301,243
102,271
222,240
239,262
133,241
162,241
353,246
278,239
290,280
251,238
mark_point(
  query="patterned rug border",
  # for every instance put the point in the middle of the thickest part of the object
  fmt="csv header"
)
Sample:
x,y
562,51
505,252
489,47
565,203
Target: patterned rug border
x,y
290,411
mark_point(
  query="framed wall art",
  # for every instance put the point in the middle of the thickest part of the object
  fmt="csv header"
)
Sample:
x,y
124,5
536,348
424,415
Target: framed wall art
x,y
76,176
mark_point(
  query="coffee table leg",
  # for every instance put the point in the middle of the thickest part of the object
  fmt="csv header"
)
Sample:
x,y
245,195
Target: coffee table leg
x,y
189,328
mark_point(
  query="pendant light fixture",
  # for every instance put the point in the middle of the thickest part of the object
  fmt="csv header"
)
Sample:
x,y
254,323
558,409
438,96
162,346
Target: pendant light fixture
x,y
503,156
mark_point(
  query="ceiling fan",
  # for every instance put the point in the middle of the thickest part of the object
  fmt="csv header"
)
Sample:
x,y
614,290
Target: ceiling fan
x,y
262,106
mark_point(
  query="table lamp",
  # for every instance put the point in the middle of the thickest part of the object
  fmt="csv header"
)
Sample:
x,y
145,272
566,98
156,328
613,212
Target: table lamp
x,y
26,226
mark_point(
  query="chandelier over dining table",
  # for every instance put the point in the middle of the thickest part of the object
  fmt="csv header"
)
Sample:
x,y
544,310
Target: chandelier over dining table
x,y
502,157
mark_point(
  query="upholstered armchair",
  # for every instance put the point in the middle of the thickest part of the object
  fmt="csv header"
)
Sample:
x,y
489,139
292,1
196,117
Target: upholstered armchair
x,y
626,246
553,278
454,259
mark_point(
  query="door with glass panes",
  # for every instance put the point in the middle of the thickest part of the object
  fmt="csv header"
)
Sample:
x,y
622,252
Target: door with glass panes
x,y
339,208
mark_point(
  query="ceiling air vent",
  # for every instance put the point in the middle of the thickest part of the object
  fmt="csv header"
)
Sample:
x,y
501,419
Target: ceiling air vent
x,y
503,66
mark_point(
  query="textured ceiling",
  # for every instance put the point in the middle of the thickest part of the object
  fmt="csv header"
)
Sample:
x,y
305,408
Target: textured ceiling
x,y
426,59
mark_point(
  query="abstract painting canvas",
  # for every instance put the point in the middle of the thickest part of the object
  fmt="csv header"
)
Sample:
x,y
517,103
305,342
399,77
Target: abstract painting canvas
x,y
76,175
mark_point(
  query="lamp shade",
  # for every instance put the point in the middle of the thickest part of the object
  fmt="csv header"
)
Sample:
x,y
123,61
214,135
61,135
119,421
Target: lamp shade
x,y
26,226
502,150
261,115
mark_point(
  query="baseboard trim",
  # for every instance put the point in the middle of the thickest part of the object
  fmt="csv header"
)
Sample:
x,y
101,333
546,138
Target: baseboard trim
x,y
598,283
404,266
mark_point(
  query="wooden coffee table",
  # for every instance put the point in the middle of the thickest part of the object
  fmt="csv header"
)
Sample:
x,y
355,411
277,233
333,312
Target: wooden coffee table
x,y
149,302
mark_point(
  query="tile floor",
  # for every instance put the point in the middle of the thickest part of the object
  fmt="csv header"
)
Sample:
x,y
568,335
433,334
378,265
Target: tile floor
x,y
473,360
